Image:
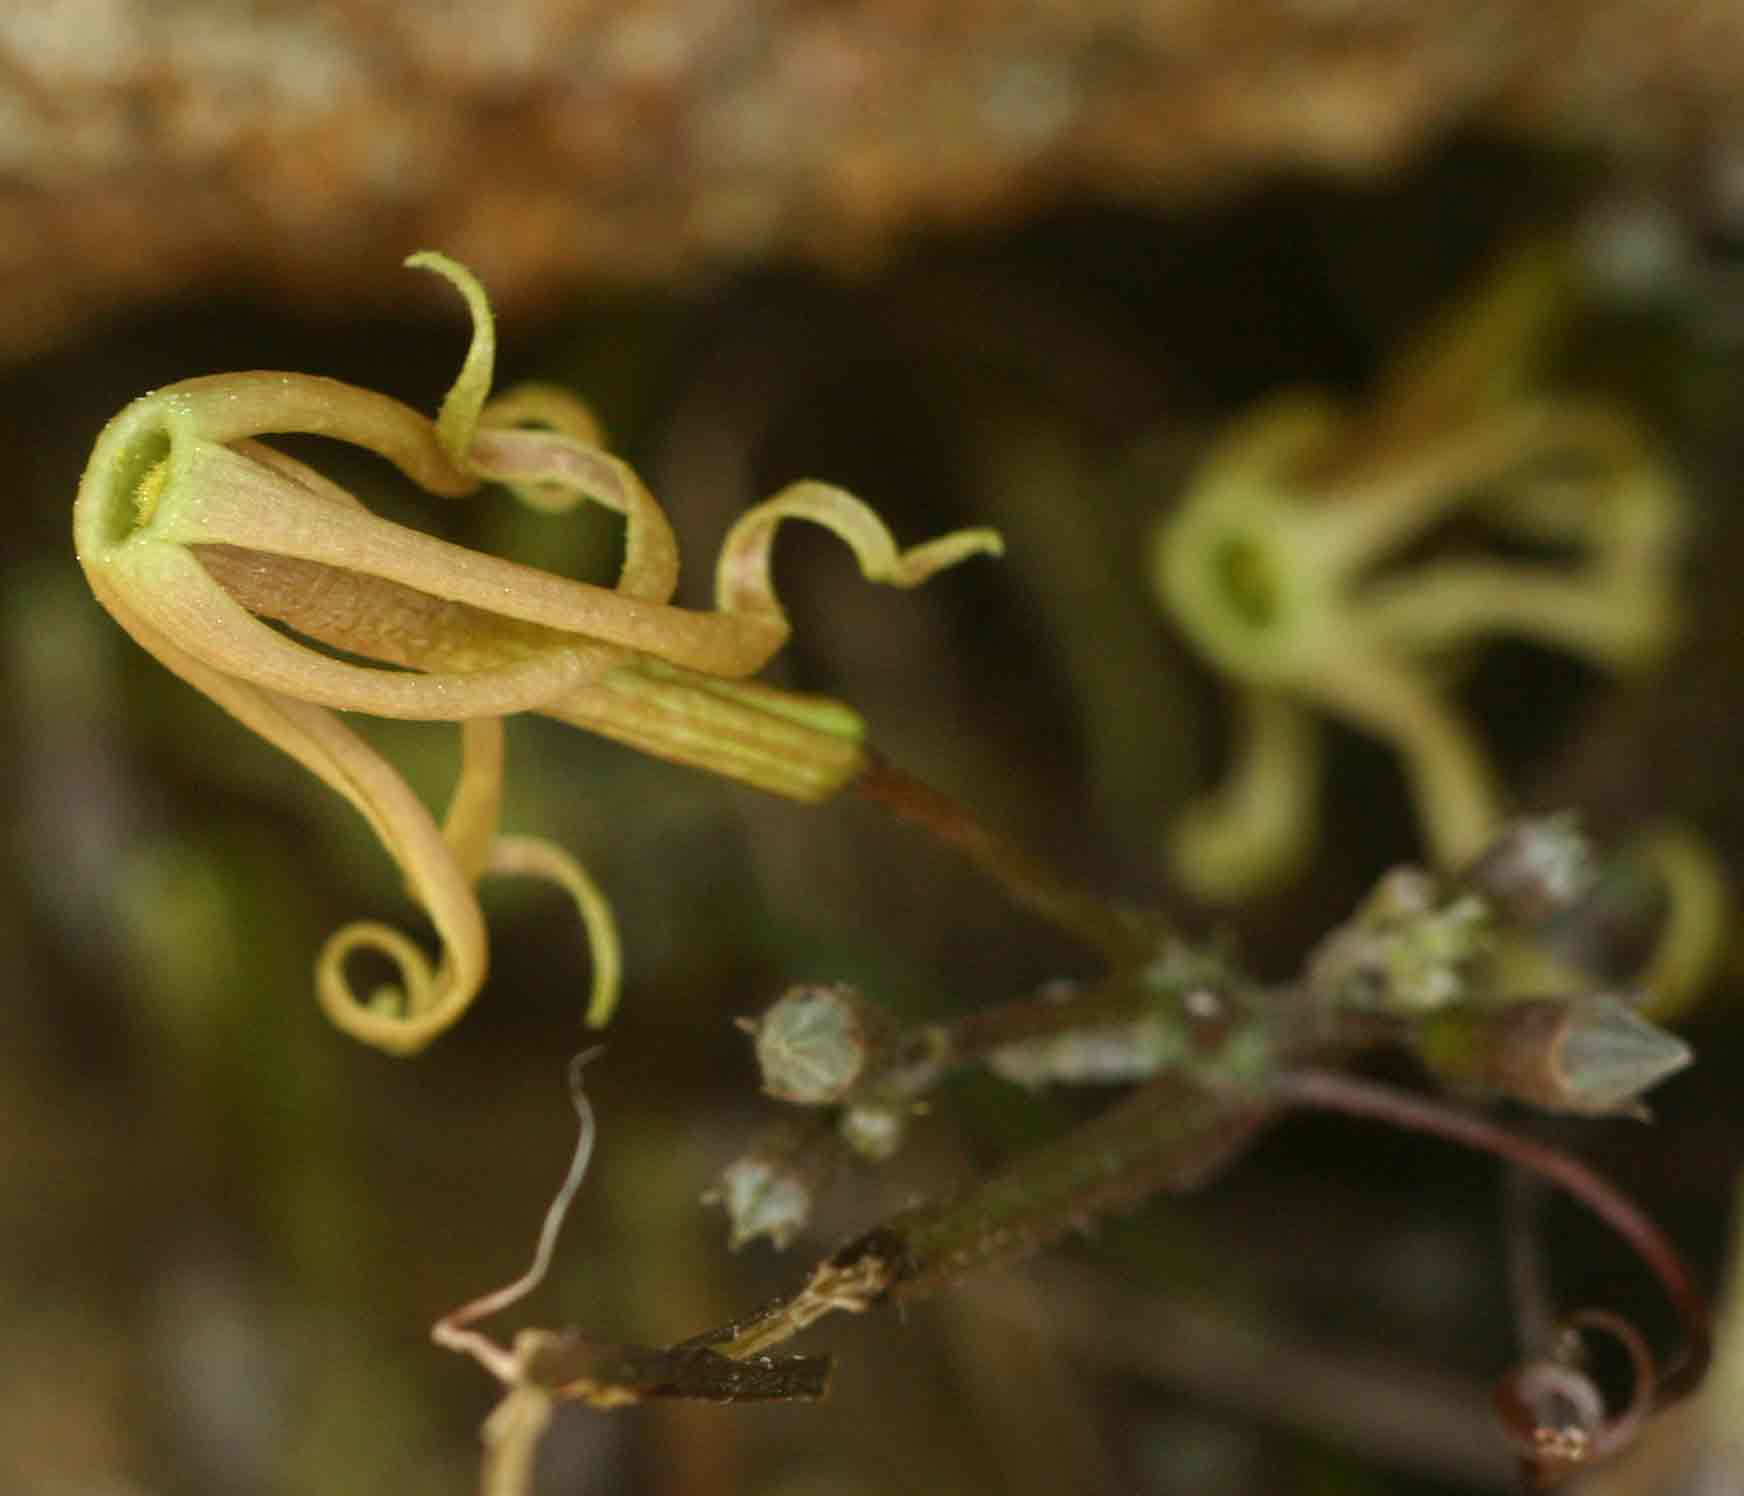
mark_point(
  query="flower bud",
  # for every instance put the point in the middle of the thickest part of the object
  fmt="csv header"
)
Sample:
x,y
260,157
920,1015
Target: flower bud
x,y
1591,1056
874,1131
817,1044
1534,870
771,1188
1410,949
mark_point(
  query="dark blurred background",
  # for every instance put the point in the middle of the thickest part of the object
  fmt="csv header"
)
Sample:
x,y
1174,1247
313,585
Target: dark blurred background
x,y
225,1229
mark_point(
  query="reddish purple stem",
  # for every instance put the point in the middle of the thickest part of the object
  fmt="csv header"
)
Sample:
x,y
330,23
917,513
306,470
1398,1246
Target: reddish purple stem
x,y
1334,1091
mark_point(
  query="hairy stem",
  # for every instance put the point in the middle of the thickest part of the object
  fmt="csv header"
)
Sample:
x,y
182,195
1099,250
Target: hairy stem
x,y
975,1035
1168,1135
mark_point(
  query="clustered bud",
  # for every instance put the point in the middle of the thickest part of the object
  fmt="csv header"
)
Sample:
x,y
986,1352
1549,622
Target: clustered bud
x,y
1410,949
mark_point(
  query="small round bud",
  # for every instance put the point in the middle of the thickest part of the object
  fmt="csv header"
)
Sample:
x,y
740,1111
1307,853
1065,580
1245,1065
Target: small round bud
x,y
874,1132
761,1199
1534,870
816,1044
771,1188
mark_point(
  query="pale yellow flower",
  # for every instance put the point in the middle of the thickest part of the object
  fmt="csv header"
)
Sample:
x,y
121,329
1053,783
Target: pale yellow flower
x,y
192,532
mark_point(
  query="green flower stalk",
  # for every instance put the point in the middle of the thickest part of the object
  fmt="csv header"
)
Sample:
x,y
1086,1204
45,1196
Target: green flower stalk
x,y
193,533
1280,567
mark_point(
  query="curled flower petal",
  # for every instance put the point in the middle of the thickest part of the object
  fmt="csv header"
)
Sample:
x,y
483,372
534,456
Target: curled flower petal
x,y
1697,928
470,827
534,403
1258,825
534,857
458,418
554,471
227,408
745,586
430,998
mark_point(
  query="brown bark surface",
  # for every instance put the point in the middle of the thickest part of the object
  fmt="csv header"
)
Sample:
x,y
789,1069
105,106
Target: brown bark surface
x,y
300,149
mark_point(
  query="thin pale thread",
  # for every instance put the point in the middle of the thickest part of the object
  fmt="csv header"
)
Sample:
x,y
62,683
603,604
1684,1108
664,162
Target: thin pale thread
x,y
448,1332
